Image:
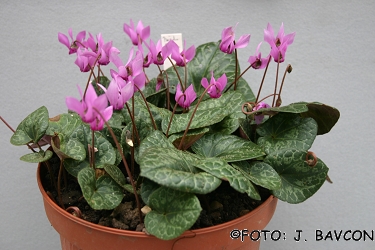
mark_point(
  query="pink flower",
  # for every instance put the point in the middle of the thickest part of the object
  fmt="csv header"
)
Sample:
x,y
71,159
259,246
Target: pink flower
x,y
185,99
132,71
100,51
83,62
256,61
216,86
259,118
118,92
228,44
91,107
183,57
280,43
139,34
159,53
75,43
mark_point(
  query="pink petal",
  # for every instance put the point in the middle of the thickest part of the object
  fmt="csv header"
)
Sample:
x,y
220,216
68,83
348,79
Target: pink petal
x,y
243,41
204,82
63,39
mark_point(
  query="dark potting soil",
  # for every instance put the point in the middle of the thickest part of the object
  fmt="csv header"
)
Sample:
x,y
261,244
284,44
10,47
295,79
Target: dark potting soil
x,y
222,205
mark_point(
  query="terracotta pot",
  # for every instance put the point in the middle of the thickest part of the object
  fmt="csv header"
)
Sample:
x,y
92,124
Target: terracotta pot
x,y
76,233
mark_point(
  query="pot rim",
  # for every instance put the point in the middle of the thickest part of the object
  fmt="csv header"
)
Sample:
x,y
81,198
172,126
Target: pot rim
x,y
187,233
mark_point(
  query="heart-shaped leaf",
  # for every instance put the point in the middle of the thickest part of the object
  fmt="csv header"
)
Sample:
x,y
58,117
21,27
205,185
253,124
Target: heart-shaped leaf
x,y
118,177
286,130
32,128
172,213
299,181
37,156
68,148
101,193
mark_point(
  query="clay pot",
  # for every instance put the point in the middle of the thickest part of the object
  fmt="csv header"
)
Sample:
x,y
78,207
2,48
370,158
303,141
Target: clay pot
x,y
76,233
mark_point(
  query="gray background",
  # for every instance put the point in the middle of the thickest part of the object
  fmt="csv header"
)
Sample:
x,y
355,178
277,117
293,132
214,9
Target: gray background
x,y
333,61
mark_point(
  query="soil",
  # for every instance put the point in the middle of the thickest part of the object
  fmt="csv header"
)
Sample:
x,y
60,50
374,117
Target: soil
x,y
222,205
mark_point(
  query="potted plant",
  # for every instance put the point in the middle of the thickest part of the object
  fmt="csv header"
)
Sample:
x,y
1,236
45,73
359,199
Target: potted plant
x,y
156,155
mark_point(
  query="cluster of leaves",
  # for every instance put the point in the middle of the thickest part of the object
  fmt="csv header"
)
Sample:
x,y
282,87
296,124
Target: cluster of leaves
x,y
272,155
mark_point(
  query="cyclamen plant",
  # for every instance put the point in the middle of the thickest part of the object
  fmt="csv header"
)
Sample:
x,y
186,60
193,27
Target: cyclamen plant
x,y
182,133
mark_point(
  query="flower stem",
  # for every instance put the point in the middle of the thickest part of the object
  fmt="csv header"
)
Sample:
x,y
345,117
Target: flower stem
x,y
166,86
91,74
173,112
264,76
93,149
239,77
133,123
235,73
125,164
178,75
192,115
59,184
148,108
288,69
277,76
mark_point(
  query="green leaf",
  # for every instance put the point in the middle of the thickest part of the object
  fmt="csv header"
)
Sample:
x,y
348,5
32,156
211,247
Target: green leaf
x,y
37,156
224,171
324,115
32,128
101,193
147,188
68,148
64,124
173,212
155,139
299,181
176,169
286,130
118,177
226,147
260,173
191,136
74,167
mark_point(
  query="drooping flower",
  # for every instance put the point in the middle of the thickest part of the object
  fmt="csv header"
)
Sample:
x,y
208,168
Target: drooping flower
x,y
228,43
138,34
98,123
83,62
259,118
280,43
185,99
158,52
91,107
132,71
100,51
256,61
215,87
75,43
118,92
183,57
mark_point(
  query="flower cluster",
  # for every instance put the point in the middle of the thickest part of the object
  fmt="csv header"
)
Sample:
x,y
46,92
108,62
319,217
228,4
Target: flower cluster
x,y
130,76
